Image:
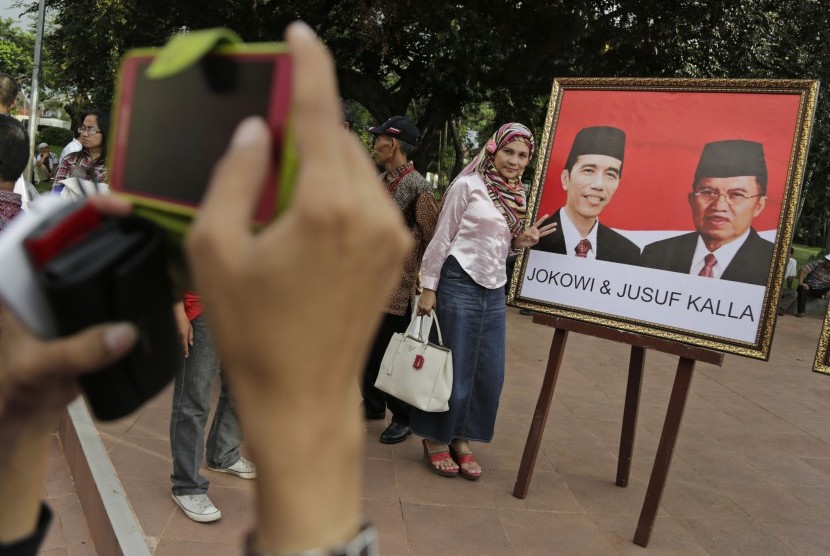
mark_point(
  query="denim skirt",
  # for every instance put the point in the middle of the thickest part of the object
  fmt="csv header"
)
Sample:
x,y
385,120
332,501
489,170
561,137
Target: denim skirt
x,y
472,320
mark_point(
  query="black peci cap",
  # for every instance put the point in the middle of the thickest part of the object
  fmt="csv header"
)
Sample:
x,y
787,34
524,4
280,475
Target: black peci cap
x,y
604,140
731,158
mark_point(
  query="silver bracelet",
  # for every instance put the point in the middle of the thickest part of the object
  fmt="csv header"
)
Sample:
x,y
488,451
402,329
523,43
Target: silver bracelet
x,y
515,250
365,543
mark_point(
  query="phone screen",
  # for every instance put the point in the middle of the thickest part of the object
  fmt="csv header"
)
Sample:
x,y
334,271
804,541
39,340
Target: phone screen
x,y
171,131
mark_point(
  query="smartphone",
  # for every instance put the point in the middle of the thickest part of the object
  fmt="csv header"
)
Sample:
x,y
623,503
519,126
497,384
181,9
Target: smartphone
x,y
168,132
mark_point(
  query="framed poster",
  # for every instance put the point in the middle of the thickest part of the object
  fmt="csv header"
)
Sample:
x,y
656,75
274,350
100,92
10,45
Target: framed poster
x,y
675,201
821,364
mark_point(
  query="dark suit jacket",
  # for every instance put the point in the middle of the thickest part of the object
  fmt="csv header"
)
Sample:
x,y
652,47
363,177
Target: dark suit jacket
x,y
611,246
750,264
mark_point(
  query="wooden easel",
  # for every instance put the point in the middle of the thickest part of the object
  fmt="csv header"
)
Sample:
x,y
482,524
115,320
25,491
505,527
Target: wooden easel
x,y
677,403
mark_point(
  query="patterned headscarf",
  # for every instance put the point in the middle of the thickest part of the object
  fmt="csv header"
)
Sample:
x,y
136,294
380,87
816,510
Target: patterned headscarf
x,y
507,195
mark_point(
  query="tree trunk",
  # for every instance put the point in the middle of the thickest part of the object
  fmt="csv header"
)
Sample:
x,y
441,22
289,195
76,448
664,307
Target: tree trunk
x,y
458,146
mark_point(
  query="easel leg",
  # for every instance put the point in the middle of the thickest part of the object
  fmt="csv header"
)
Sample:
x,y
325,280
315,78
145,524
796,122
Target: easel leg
x,y
632,407
540,415
662,461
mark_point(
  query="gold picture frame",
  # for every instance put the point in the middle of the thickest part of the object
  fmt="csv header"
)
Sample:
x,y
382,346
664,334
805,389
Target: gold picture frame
x,y
821,364
676,135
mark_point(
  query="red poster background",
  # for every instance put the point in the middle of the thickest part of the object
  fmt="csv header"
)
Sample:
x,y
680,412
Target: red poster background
x,y
665,134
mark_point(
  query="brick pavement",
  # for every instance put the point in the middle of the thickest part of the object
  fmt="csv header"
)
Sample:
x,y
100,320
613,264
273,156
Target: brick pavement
x,y
750,476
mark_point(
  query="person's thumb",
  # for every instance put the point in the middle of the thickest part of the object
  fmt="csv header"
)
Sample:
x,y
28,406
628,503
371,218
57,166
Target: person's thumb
x,y
90,349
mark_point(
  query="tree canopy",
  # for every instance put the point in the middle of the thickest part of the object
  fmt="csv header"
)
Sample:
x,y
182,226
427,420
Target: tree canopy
x,y
439,62
16,47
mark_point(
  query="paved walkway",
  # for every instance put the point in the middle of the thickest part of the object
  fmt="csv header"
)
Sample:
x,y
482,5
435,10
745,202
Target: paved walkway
x,y
68,534
750,476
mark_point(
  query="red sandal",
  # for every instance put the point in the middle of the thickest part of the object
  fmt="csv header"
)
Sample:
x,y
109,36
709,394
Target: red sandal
x,y
461,459
434,458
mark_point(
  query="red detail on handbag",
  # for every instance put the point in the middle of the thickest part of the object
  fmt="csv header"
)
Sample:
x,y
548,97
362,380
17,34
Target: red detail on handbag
x,y
418,364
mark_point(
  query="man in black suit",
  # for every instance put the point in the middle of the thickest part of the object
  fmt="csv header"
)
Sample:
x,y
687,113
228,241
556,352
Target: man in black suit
x,y
728,192
591,176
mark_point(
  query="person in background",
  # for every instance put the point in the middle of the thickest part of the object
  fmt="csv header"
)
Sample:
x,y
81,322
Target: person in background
x,y
46,164
192,395
72,147
791,273
789,295
348,117
8,97
394,144
90,163
271,320
8,93
813,281
464,272
14,152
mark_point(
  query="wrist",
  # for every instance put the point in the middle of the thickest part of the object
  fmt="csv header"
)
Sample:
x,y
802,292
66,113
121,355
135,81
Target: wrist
x,y
309,484
23,457
364,543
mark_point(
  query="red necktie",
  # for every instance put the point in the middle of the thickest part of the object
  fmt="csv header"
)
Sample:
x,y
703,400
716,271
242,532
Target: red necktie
x,y
709,262
582,248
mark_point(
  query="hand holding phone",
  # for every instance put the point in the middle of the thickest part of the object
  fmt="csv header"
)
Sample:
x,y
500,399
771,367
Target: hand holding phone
x,y
71,267
94,268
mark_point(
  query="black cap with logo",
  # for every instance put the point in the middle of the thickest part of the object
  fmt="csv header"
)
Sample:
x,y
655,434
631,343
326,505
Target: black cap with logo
x,y
398,127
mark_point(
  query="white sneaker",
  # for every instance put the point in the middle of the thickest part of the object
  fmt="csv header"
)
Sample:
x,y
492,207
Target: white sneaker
x,y
244,469
197,507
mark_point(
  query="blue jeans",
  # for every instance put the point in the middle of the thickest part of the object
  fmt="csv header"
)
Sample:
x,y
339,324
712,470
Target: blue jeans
x,y
472,320
191,406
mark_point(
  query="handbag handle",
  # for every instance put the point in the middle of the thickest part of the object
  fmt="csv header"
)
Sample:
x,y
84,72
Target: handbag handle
x,y
419,319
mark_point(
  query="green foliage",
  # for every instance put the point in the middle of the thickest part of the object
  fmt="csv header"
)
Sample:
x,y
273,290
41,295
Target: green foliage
x,y
16,47
724,38
474,65
53,136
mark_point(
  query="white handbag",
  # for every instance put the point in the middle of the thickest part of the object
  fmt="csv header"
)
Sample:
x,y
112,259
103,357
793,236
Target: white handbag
x,y
426,320
417,371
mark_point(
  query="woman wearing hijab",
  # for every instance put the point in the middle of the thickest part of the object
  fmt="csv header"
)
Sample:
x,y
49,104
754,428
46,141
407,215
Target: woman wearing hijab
x,y
463,273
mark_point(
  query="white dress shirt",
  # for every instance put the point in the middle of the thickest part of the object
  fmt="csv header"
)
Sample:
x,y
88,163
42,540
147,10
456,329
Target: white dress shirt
x,y
72,147
471,229
791,268
572,235
21,187
723,254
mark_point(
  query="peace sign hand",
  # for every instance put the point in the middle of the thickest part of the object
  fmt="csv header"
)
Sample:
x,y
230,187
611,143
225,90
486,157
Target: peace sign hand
x,y
533,234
